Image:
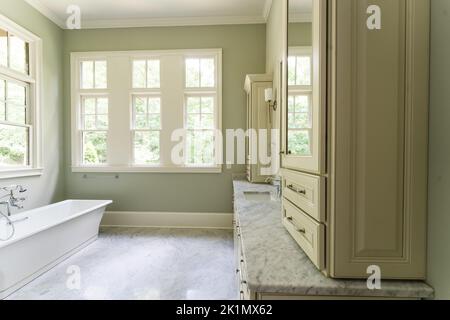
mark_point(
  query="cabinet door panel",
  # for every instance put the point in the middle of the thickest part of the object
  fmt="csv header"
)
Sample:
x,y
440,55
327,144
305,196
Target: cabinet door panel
x,y
373,221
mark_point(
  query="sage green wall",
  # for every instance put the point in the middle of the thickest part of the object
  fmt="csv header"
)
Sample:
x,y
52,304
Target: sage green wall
x,y
50,186
243,52
300,34
439,153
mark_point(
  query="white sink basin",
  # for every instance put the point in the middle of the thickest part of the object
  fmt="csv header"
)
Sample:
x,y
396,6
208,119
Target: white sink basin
x,y
258,196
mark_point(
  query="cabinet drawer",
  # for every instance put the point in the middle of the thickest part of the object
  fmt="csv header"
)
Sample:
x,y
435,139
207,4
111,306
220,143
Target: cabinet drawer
x,y
307,192
308,233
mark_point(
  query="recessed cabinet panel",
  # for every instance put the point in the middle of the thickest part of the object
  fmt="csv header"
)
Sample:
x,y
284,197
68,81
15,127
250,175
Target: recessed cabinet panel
x,y
375,109
378,139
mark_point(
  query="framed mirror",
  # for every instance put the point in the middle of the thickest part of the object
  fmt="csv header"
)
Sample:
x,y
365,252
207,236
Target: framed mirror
x,y
304,118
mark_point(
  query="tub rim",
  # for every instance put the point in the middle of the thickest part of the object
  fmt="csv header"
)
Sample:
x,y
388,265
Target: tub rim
x,y
100,204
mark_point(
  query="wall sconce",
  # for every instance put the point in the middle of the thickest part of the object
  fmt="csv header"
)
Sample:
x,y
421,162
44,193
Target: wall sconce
x,y
268,93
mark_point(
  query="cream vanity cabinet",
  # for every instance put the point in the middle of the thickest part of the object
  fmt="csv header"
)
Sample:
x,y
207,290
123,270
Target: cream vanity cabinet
x,y
355,159
258,118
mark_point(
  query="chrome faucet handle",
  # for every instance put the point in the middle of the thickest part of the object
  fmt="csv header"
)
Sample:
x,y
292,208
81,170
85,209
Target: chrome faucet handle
x,y
13,188
16,202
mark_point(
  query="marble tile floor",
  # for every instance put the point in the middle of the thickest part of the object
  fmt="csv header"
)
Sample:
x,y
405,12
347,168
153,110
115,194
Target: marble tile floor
x,y
144,264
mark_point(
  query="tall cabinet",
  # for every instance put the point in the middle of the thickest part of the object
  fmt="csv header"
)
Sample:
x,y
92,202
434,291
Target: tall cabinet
x,y
358,198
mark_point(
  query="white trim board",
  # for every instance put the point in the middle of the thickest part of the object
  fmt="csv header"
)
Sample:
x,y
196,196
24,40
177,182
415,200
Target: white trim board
x,y
267,9
168,220
300,18
155,22
170,22
39,6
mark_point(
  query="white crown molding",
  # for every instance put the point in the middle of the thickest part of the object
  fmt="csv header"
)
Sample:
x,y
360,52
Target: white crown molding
x,y
267,8
300,17
154,22
46,12
170,22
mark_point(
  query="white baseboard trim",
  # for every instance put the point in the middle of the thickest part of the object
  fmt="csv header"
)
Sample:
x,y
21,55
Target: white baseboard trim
x,y
167,220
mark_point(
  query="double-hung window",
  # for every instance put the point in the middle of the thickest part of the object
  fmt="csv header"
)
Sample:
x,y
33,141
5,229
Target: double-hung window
x,y
300,101
146,112
200,105
128,109
146,129
20,53
93,121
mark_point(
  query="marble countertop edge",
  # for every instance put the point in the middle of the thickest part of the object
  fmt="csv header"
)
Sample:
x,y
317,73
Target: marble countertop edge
x,y
276,264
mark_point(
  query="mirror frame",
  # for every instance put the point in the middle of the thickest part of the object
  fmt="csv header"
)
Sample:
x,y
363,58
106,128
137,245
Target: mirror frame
x,y
317,163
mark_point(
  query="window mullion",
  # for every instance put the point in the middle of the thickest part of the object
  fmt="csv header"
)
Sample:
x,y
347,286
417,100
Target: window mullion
x,y
93,75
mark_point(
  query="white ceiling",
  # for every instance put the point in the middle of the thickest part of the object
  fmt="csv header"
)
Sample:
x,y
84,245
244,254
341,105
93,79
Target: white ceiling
x,y
300,10
300,6
143,13
129,13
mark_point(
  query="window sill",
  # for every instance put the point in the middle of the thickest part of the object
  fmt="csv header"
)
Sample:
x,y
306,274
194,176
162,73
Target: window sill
x,y
149,169
20,173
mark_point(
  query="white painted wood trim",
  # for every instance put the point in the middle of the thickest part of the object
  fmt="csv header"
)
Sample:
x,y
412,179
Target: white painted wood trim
x,y
300,17
33,81
148,169
20,173
267,9
118,160
45,11
171,22
168,220
152,22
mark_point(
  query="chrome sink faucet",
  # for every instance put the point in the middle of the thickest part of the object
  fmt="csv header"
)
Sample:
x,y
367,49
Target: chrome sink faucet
x,y
13,201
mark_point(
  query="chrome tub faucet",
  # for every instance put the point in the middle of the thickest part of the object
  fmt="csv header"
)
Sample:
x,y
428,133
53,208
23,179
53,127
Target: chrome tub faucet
x,y
13,201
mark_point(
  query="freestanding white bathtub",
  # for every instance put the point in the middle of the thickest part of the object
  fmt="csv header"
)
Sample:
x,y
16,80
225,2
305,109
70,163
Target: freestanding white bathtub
x,y
44,237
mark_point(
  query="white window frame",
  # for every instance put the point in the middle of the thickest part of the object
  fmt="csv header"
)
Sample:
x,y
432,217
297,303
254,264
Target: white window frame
x,y
127,119
134,130
302,90
33,80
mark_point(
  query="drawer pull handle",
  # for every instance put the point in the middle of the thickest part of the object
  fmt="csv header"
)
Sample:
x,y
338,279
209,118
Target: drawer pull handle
x,y
243,282
291,186
303,230
289,218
